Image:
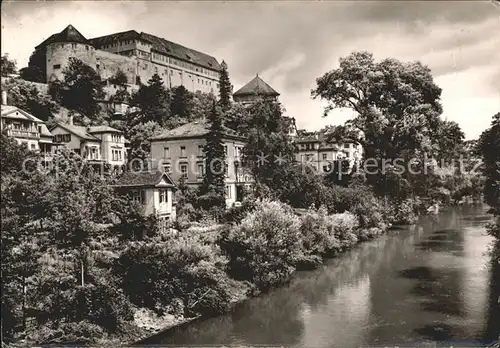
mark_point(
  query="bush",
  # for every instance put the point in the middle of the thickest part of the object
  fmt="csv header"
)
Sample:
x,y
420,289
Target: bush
x,y
404,212
82,333
157,274
263,247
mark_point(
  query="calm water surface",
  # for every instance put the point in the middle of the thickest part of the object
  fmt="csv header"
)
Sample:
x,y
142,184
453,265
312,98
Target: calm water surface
x,y
430,282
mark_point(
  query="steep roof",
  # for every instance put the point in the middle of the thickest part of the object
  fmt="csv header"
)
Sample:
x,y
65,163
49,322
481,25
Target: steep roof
x,y
256,86
178,51
69,34
11,111
102,129
144,178
107,39
79,131
196,129
163,46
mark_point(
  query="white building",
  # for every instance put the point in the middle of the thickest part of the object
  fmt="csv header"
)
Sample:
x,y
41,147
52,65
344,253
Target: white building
x,y
153,190
97,144
25,128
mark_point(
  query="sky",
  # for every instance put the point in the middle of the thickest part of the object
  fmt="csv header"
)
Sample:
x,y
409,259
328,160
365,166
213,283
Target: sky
x,y
292,43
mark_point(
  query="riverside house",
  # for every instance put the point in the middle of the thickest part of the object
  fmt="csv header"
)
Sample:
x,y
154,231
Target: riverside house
x,y
179,152
154,190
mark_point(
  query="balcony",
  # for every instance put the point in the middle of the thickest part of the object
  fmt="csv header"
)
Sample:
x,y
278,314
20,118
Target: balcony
x,y
16,133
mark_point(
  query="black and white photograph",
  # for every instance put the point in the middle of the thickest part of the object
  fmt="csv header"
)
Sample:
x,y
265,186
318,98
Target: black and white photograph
x,y
300,174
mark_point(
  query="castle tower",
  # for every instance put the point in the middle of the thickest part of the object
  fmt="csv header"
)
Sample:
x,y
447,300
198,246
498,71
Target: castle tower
x,y
255,90
60,47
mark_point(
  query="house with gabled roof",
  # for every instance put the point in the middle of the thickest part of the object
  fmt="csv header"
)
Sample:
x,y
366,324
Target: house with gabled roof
x,y
154,190
256,89
180,152
25,128
97,144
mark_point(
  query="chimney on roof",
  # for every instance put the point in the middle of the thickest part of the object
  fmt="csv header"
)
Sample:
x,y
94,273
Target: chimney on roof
x,y
4,97
70,120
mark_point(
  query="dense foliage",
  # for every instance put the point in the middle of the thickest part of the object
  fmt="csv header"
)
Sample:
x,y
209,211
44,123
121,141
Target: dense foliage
x,y
8,65
80,91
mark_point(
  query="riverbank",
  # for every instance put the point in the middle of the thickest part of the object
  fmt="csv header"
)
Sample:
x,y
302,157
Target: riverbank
x,y
410,285
267,247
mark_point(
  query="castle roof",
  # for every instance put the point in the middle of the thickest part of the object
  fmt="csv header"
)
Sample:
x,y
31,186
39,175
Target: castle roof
x,y
69,34
256,86
161,45
145,178
196,129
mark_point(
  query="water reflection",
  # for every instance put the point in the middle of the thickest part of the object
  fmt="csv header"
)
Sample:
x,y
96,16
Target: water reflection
x,y
413,284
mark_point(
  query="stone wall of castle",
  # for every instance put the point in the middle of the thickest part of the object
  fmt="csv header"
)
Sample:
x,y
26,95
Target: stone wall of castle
x,y
107,64
173,72
58,55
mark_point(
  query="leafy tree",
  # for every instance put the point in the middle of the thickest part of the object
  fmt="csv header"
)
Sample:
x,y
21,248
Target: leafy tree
x,y
397,108
450,141
153,100
397,104
224,88
119,78
28,98
213,187
181,105
36,70
201,105
269,150
8,65
489,148
139,136
80,90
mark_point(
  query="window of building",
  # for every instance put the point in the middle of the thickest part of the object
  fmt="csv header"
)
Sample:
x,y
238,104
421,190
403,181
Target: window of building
x,y
201,169
166,152
73,45
115,138
163,196
226,169
33,146
167,168
346,146
183,151
200,150
184,170
324,156
137,196
56,66
228,191
87,47
97,66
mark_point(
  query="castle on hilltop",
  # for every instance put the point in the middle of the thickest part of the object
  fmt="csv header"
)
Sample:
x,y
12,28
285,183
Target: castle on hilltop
x,y
138,55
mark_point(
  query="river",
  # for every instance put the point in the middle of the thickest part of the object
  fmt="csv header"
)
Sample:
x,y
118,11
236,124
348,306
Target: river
x,y
433,281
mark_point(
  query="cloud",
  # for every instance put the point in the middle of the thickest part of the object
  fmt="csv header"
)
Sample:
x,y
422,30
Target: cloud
x,y
290,44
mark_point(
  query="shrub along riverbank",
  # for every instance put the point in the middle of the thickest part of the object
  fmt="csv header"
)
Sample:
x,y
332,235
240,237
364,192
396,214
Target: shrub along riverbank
x,y
203,273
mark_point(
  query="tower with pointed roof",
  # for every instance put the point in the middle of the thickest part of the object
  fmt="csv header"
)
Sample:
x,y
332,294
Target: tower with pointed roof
x,y
61,46
256,89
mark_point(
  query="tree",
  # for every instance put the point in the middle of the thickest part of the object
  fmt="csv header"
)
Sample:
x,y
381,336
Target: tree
x,y
139,135
224,88
397,107
450,141
269,151
182,103
81,89
213,187
119,78
8,65
153,100
28,98
489,148
36,70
